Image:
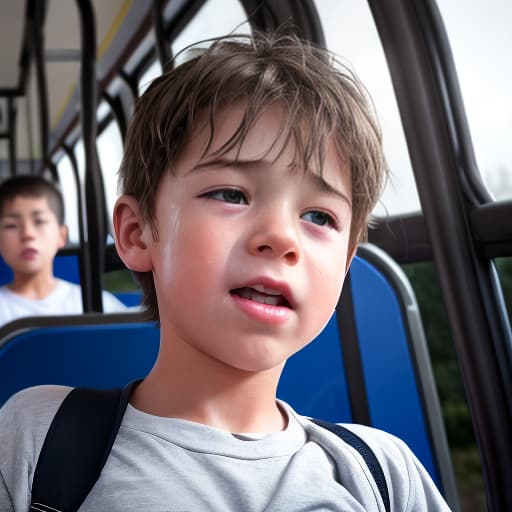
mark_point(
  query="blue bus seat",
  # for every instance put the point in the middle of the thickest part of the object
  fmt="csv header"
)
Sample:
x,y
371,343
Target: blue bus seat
x,y
65,266
130,299
95,350
369,365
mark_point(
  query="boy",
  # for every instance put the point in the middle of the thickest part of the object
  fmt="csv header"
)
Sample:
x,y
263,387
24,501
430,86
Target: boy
x,y
32,230
249,175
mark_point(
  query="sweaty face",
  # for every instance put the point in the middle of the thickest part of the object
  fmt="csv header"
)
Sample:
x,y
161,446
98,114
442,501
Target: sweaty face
x,y
252,252
30,235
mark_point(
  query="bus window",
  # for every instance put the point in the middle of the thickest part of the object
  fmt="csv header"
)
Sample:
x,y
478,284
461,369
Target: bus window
x,y
78,150
68,184
4,159
504,268
457,420
148,76
110,153
201,27
482,60
351,34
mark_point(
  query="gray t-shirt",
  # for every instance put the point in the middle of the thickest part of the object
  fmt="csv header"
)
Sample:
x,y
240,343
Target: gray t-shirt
x,y
65,299
163,464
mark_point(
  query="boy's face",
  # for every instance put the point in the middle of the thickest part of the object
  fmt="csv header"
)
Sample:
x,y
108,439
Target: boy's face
x,y
30,235
251,253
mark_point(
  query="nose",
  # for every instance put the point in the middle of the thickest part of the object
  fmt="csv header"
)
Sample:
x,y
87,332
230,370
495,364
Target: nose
x,y
27,231
275,235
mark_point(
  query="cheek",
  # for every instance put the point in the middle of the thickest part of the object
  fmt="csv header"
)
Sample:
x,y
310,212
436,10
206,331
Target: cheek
x,y
189,252
330,270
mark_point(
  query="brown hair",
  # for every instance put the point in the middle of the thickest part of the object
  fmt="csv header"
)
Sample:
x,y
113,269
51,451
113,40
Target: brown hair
x,y
32,186
323,101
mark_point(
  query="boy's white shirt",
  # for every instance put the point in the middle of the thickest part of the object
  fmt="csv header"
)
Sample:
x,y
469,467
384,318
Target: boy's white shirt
x,y
65,299
164,464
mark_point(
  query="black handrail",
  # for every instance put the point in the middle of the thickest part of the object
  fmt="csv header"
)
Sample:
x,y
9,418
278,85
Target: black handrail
x,y
163,47
42,87
94,195
12,116
268,15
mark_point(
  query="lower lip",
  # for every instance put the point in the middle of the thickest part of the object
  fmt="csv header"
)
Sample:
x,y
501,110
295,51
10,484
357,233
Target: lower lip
x,y
29,255
266,313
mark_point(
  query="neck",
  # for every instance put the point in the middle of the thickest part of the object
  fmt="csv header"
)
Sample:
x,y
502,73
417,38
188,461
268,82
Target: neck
x,y
190,385
33,286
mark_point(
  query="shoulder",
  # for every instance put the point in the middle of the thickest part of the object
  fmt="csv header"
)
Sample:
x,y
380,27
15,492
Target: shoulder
x,y
67,286
26,416
392,453
24,422
111,303
410,486
5,302
65,290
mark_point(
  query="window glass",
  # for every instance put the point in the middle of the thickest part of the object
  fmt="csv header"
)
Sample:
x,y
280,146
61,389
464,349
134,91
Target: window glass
x,y
78,150
148,76
70,194
351,34
504,268
483,61
4,159
215,18
457,420
110,153
103,111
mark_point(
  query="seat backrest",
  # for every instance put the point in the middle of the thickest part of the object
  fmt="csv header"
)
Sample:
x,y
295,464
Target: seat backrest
x,y
65,266
95,350
370,364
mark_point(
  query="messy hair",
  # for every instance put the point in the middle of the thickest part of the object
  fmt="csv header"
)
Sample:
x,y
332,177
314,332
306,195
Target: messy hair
x,y
322,100
32,186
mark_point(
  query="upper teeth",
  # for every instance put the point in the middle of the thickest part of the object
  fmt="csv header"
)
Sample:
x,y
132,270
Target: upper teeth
x,y
263,289
264,297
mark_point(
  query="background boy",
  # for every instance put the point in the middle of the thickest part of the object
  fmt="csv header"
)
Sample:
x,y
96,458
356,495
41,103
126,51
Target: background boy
x,y
249,176
32,230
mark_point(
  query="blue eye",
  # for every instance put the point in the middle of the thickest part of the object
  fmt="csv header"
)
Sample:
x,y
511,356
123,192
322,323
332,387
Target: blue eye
x,y
319,218
227,195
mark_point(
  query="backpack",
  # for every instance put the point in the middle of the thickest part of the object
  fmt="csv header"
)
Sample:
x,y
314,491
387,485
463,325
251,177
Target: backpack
x,y
84,429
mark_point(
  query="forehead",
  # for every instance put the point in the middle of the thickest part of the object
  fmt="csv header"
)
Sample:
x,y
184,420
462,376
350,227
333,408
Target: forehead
x,y
26,204
262,140
267,139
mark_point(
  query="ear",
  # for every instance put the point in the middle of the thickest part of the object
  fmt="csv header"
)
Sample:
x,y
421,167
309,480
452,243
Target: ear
x,y
131,234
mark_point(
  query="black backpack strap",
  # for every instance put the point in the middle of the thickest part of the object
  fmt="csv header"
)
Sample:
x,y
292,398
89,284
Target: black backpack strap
x,y
366,452
76,447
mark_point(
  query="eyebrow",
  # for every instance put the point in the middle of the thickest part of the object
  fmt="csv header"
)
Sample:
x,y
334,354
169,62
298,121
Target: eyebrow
x,y
16,215
323,186
317,180
227,162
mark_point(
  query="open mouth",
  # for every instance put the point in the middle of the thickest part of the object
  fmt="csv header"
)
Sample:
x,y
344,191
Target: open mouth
x,y
262,295
28,253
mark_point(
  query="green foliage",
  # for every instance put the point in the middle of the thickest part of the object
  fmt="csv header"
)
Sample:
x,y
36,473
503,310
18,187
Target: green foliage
x,y
119,281
470,484
504,267
457,420
449,385
442,353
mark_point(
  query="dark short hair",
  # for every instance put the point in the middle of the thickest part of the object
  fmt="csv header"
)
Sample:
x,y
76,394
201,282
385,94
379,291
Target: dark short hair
x,y
323,101
32,186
